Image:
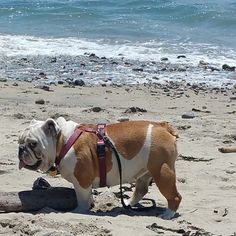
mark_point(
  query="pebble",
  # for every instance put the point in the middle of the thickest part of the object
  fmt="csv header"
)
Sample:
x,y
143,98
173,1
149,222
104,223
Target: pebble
x,y
135,109
228,68
181,56
45,87
53,60
3,80
78,82
19,116
181,68
122,119
40,101
164,59
188,115
138,69
96,109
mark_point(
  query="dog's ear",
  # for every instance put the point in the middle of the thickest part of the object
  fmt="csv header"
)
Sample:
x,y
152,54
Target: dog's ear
x,y
50,127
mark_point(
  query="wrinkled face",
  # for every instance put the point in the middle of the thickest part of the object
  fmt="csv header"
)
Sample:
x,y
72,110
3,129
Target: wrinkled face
x,y
37,145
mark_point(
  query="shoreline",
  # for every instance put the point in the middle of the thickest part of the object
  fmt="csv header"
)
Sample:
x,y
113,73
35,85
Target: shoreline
x,y
205,177
89,69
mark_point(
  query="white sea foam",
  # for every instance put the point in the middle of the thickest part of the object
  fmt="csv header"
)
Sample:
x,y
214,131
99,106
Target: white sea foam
x,y
28,45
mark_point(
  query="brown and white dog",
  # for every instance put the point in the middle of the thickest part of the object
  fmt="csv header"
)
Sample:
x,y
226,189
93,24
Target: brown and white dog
x,y
147,150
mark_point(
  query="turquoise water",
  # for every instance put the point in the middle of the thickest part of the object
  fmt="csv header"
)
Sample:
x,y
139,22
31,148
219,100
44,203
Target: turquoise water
x,y
212,22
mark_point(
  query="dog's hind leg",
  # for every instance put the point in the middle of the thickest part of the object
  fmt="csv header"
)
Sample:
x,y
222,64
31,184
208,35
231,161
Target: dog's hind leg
x,y
166,182
141,188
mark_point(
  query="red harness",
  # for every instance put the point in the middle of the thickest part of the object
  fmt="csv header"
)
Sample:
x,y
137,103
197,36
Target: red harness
x,y
100,149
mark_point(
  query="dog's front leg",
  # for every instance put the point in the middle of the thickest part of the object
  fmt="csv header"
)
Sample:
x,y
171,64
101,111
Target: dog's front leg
x,y
84,198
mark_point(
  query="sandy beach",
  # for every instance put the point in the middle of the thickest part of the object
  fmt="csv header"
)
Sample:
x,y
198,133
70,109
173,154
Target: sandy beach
x,y
206,178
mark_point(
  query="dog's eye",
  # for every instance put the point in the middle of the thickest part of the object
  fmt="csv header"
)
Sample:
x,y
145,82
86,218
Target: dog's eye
x,y
33,144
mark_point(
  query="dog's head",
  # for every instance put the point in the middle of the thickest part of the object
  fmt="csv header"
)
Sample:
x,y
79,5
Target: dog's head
x,y
37,145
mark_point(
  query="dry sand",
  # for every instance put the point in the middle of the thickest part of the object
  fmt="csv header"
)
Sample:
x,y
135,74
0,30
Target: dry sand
x,y
206,178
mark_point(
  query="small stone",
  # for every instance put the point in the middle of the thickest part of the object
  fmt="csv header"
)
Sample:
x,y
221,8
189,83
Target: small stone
x,y
45,88
164,59
228,68
93,55
138,69
40,101
188,115
42,74
203,64
181,56
181,68
96,109
53,60
184,127
122,119
19,116
3,80
135,109
78,82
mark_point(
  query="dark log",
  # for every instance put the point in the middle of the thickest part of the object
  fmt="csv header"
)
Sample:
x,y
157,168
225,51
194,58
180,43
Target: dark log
x,y
60,199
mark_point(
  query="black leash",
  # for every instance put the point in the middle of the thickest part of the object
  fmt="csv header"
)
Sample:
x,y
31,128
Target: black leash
x,y
128,207
110,144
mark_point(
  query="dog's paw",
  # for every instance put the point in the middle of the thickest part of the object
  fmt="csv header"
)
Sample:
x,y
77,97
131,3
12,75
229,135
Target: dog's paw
x,y
167,214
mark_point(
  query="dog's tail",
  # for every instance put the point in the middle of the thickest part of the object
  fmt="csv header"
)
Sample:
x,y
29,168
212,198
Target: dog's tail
x,y
170,129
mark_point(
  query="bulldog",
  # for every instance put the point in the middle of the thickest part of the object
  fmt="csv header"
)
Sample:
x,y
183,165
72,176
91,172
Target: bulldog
x,y
147,150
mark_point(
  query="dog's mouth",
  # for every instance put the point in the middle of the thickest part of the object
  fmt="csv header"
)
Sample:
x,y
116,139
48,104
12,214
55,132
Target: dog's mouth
x,y
28,158
22,164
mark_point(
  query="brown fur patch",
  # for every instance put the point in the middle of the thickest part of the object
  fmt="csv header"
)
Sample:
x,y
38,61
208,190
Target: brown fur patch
x,y
163,150
128,137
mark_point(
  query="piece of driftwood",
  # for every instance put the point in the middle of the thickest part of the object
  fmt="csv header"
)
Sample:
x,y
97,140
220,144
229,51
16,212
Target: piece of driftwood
x,y
58,198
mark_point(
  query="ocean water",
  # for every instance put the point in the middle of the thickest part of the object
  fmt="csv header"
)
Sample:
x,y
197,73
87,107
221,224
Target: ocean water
x,y
135,29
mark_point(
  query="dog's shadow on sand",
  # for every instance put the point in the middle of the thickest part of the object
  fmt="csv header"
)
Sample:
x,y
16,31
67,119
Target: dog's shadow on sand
x,y
138,210
114,210
59,199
